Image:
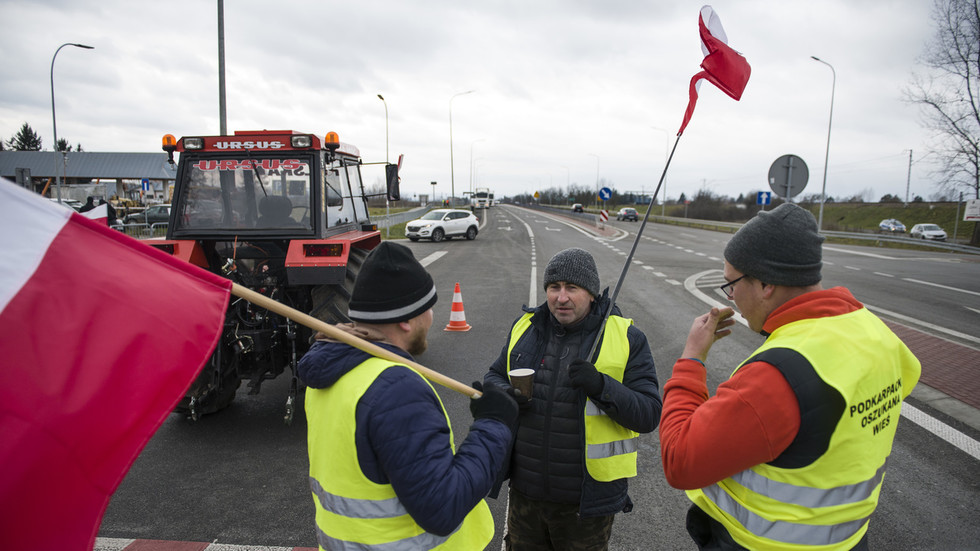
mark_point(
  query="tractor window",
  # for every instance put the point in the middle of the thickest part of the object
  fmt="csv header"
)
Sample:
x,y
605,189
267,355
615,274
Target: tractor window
x,y
246,193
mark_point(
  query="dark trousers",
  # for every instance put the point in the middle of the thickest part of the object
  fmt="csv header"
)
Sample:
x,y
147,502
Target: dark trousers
x,y
710,535
547,526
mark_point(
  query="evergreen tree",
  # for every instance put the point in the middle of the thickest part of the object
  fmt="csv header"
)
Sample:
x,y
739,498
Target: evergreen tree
x,y
26,139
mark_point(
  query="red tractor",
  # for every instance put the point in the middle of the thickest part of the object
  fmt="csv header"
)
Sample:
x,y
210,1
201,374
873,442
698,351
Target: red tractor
x,y
279,212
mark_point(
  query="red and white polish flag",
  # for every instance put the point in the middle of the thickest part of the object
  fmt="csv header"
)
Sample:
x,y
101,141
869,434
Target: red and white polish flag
x,y
100,337
100,214
722,66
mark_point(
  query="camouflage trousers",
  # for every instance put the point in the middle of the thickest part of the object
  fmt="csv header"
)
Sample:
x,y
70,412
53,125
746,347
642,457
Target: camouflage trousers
x,y
547,526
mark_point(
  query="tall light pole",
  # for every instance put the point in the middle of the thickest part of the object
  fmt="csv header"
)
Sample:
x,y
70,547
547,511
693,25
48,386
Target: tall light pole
x,y
222,105
823,191
380,97
54,119
663,209
452,177
471,164
596,180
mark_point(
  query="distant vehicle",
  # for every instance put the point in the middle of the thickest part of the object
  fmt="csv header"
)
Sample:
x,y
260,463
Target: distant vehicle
x,y
577,207
70,203
481,198
891,225
152,215
442,224
627,213
928,231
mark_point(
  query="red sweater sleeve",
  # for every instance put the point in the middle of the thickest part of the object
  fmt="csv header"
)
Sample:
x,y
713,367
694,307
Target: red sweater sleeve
x,y
751,419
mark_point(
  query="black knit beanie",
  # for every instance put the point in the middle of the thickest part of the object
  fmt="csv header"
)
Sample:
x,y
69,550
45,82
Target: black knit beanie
x,y
392,286
780,247
574,266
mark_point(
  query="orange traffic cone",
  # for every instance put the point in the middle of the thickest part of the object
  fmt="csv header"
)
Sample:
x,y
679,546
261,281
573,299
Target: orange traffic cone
x,y
457,319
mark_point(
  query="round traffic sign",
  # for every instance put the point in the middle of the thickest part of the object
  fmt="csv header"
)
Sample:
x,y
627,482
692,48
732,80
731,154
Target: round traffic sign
x,y
788,176
605,194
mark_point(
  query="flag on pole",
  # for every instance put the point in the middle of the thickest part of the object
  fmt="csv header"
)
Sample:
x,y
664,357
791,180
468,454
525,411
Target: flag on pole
x,y
100,337
100,214
723,66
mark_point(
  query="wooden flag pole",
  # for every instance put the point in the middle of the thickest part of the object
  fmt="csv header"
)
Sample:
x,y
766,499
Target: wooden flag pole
x,y
342,336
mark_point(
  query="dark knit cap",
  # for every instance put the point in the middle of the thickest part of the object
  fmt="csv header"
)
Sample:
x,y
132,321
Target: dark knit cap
x,y
392,286
574,266
780,247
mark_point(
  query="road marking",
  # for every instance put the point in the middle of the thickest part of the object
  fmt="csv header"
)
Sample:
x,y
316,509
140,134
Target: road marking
x,y
972,309
505,228
925,324
872,255
673,282
432,258
883,274
942,430
940,286
853,268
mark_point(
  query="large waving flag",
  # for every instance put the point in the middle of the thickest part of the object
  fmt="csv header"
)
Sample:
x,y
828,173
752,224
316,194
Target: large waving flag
x,y
723,66
100,336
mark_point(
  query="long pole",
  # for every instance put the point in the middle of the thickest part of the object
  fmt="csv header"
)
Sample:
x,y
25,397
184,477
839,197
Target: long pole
x,y
336,334
54,119
386,125
663,202
629,257
596,180
452,176
908,179
387,205
823,191
222,109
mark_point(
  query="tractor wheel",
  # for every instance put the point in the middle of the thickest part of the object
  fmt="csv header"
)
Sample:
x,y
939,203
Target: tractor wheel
x,y
330,301
209,393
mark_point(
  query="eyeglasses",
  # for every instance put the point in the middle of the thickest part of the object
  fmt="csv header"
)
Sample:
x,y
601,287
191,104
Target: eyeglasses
x,y
730,286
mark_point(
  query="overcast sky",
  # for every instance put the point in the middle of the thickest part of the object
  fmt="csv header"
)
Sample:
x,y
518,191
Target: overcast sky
x,y
563,90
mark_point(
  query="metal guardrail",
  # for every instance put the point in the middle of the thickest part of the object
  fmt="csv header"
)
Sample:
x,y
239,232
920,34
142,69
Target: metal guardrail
x,y
389,220
732,227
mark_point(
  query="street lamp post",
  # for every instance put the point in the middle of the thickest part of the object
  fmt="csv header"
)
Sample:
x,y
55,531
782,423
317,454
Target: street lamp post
x,y
54,119
471,164
386,125
663,209
823,191
452,177
596,180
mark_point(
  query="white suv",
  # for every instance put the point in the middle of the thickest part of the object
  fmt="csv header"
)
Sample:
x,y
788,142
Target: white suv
x,y
442,224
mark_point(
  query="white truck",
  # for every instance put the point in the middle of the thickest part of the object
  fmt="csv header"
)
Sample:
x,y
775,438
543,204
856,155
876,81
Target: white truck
x,y
481,198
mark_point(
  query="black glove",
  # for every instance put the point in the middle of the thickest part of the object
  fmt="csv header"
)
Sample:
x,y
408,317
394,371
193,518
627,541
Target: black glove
x,y
523,402
494,404
585,376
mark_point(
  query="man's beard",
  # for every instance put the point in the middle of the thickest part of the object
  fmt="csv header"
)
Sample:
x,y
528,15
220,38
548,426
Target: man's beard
x,y
418,343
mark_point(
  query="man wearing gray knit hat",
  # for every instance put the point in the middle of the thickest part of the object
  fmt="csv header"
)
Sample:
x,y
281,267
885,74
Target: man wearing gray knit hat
x,y
788,423
571,460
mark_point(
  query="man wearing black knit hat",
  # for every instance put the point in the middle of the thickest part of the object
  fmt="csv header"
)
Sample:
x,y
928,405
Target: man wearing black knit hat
x,y
383,468
790,452
577,439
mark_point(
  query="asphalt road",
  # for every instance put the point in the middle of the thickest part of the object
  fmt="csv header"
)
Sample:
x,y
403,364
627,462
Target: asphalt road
x,y
240,476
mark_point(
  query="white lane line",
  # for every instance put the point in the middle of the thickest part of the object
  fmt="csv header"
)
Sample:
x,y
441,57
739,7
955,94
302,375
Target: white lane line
x,y
432,258
909,279
853,268
925,324
872,255
883,274
942,430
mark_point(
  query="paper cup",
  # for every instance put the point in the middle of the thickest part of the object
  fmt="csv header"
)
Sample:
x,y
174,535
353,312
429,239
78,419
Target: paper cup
x,y
523,380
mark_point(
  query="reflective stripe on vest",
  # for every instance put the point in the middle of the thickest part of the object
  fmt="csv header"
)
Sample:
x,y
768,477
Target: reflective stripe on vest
x,y
828,501
610,448
352,512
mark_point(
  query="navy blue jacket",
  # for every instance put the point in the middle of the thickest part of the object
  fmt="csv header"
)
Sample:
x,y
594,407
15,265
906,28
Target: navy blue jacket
x,y
402,439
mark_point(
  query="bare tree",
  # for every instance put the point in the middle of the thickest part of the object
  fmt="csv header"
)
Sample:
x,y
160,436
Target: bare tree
x,y
948,91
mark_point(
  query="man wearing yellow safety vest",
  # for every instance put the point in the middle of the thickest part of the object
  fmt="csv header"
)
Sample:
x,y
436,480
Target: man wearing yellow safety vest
x,y
577,438
790,452
384,471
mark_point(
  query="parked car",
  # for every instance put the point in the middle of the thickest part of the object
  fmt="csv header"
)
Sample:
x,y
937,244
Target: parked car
x,y
442,224
891,225
627,213
69,203
928,231
577,207
152,215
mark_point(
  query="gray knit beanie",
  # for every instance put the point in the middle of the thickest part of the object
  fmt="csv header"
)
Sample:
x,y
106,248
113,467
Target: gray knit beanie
x,y
781,247
574,266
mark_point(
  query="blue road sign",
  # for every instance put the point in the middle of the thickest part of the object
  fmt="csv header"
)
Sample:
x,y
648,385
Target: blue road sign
x,y
145,184
605,194
763,198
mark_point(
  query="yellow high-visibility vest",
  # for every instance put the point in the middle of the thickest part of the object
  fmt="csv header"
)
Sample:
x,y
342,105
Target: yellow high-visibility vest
x,y
825,504
353,512
610,448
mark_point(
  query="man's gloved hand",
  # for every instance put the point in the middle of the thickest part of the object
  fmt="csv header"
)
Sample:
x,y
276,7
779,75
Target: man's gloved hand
x,y
585,376
494,404
523,402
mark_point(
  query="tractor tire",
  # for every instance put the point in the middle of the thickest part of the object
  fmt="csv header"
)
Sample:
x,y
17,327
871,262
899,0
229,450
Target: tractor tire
x,y
330,301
